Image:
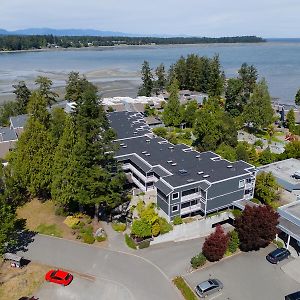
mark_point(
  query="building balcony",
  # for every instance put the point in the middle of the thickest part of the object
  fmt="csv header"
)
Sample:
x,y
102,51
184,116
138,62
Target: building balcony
x,y
191,197
190,209
139,174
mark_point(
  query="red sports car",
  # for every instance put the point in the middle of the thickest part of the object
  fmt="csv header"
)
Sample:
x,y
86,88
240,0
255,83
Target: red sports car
x,y
59,276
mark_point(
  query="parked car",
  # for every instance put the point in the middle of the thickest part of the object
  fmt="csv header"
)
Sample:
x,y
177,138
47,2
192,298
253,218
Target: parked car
x,y
208,287
294,296
278,255
59,277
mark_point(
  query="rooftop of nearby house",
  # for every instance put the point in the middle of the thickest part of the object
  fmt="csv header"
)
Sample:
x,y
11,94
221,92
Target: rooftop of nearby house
x,y
7,134
18,121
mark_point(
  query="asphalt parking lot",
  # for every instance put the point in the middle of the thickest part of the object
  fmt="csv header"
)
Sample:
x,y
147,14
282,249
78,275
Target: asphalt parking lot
x,y
247,276
83,289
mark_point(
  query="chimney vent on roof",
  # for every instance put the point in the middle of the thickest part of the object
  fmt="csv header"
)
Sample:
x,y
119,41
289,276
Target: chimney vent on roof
x,y
174,164
148,141
229,166
144,152
147,154
200,172
124,146
205,176
171,147
169,161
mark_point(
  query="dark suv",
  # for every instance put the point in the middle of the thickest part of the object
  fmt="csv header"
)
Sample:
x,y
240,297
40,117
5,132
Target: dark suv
x,y
294,296
277,255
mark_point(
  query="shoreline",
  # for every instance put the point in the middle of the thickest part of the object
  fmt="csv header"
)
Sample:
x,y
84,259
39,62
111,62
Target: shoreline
x,y
100,48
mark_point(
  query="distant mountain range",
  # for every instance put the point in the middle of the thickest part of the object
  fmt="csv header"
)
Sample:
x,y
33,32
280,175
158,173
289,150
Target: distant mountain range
x,y
72,32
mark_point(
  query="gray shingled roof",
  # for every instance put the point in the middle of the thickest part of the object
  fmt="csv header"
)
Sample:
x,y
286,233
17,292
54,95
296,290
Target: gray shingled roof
x,y
128,124
7,134
18,121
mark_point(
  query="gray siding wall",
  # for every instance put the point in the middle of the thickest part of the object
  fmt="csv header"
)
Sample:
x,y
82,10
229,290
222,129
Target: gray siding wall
x,y
225,187
162,204
225,200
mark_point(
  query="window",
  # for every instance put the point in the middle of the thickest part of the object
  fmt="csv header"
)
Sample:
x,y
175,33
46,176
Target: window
x,y
185,204
241,183
175,196
174,208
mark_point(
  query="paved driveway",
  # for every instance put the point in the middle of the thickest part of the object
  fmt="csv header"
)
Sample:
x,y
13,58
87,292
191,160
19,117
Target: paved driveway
x,y
81,288
129,276
247,276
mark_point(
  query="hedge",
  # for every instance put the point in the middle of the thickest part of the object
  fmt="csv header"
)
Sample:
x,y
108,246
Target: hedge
x,y
185,290
198,261
130,242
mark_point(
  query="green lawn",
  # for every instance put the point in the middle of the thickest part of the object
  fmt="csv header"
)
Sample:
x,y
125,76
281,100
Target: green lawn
x,y
49,230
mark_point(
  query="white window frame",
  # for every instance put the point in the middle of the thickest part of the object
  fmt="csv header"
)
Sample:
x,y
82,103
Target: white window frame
x,y
174,198
241,183
177,208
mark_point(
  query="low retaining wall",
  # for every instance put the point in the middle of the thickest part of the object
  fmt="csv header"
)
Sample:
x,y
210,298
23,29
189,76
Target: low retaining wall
x,y
198,228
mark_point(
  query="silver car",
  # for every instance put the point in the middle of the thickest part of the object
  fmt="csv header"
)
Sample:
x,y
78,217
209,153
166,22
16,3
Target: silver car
x,y
208,287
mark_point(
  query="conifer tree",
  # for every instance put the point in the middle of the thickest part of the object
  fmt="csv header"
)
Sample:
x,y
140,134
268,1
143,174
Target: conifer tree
x,y
161,80
259,112
22,96
172,113
147,79
44,88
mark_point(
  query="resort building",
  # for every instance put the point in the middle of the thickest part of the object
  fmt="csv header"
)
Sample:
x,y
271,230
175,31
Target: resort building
x,y
186,181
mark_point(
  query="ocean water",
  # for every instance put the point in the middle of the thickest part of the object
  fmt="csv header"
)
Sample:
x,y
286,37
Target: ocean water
x,y
278,62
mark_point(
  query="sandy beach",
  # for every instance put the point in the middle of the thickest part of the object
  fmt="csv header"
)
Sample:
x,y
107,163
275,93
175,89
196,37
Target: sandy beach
x,y
110,82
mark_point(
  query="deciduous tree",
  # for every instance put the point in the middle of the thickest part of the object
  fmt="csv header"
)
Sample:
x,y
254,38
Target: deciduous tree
x,y
256,227
215,245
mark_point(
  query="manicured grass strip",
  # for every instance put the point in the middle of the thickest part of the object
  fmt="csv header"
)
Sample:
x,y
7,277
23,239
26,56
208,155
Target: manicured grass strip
x,y
49,230
130,242
185,290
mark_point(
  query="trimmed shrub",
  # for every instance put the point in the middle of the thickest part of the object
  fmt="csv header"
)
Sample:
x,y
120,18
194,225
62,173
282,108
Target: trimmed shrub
x,y
234,241
144,244
279,244
165,227
119,227
177,220
155,229
71,221
215,245
101,238
236,212
141,228
88,238
130,242
198,261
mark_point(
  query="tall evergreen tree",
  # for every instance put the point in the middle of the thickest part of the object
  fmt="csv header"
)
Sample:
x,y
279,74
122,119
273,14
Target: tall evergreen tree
x,y
31,161
22,96
248,75
172,112
290,120
147,79
234,101
259,112
297,98
180,70
161,80
216,78
44,88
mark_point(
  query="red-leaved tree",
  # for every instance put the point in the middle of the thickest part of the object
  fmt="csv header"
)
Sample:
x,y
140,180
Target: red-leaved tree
x,y
256,227
215,245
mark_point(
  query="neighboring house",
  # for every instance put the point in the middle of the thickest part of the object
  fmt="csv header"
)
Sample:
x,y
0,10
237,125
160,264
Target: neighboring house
x,y
8,139
289,222
17,123
284,171
153,122
186,181
283,109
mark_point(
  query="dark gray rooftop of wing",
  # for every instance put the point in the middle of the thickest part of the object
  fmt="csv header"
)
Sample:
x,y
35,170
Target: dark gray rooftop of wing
x,y
186,165
18,121
163,187
128,124
7,134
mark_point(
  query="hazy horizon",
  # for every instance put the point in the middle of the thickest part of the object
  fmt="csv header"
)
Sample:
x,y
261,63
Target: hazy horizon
x,y
265,18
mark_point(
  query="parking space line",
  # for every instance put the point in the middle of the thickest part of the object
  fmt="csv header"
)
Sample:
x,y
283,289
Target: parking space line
x,y
215,296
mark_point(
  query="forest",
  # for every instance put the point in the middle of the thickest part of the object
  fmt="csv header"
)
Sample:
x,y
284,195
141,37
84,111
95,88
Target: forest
x,y
32,42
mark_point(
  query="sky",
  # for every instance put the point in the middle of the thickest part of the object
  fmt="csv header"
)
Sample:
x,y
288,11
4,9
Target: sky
x,y
266,18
